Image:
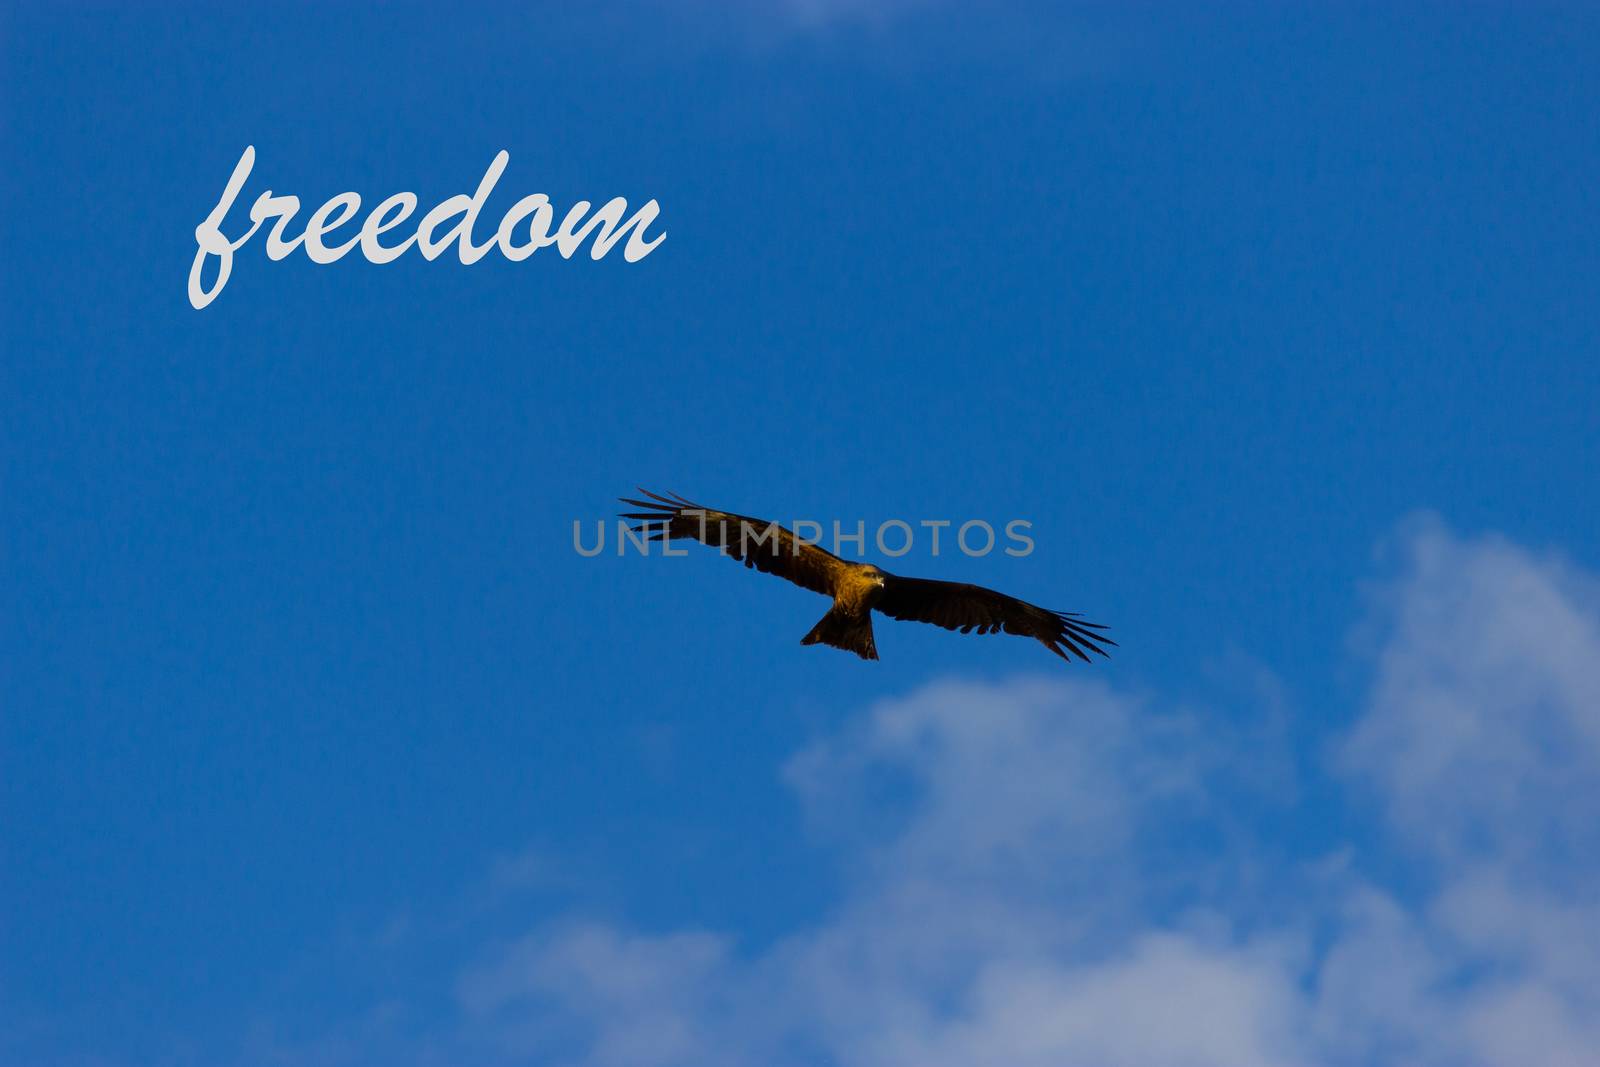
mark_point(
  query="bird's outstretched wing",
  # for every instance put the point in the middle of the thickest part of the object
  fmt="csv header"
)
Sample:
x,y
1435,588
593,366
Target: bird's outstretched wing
x,y
766,546
959,606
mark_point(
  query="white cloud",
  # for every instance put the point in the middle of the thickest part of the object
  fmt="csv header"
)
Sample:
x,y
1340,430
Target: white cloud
x,y
1168,999
1050,873
1483,734
658,996
1481,741
992,918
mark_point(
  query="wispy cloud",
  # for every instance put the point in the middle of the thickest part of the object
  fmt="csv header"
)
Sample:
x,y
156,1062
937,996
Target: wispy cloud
x,y
1056,872
1047,43
1483,733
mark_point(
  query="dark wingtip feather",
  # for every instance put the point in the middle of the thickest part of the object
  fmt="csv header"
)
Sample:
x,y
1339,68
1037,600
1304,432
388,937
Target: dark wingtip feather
x,y
1071,642
1075,618
668,501
1088,633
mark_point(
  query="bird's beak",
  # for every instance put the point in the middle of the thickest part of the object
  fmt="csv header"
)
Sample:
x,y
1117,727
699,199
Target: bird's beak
x,y
879,580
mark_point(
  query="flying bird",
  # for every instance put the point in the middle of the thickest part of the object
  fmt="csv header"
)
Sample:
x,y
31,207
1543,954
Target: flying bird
x,y
859,589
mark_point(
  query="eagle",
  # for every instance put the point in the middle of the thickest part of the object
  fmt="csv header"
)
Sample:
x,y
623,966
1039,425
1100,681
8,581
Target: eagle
x,y
859,589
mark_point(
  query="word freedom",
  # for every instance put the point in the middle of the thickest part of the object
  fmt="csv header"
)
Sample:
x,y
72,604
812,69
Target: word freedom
x,y
893,538
529,218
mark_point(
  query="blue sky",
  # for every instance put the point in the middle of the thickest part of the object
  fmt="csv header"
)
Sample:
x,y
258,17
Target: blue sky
x,y
320,745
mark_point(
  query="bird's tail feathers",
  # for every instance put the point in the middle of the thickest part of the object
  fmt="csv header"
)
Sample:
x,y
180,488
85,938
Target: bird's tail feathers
x,y
853,633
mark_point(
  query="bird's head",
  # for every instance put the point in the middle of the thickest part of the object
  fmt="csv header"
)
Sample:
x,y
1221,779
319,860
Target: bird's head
x,y
874,575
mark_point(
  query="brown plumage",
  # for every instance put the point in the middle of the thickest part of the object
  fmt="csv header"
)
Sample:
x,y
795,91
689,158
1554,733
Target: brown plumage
x,y
858,589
